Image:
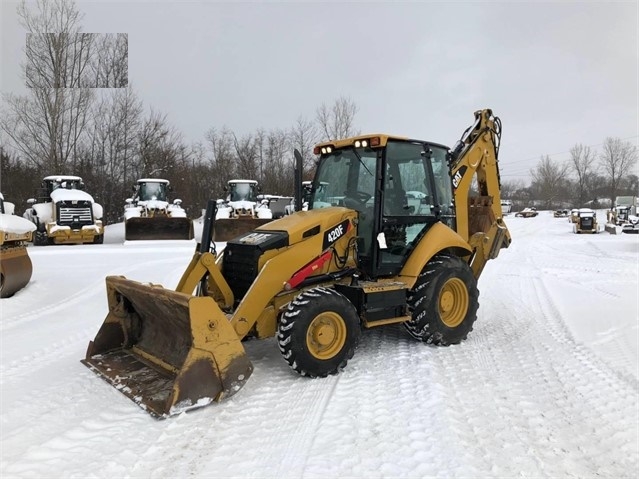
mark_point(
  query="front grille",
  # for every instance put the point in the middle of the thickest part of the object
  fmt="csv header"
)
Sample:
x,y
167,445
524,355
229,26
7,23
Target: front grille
x,y
240,267
75,215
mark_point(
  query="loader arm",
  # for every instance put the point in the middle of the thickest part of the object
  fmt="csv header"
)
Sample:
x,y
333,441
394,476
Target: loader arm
x,y
479,218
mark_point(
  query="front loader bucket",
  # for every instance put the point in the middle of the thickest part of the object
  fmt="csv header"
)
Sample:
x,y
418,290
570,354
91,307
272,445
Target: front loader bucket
x,y
228,228
167,351
158,228
15,269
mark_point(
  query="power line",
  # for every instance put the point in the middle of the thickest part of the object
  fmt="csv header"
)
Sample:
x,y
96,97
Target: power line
x,y
562,152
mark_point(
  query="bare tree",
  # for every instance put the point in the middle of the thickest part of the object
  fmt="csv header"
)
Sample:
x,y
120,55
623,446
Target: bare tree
x,y
160,147
46,125
303,136
582,161
549,180
246,156
222,159
510,188
618,160
57,53
278,158
337,121
110,65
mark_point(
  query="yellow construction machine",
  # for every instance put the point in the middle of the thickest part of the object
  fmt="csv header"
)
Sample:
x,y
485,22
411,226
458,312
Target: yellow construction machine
x,y
15,264
391,236
242,211
148,215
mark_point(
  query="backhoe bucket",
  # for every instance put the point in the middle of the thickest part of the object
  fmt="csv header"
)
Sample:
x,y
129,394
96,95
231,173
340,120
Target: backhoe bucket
x,y
15,269
228,228
158,228
167,351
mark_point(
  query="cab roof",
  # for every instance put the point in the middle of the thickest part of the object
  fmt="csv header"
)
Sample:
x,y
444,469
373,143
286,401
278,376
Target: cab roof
x,y
152,180
62,178
383,139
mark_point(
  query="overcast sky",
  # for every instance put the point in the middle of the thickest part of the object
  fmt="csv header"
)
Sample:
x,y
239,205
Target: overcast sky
x,y
557,73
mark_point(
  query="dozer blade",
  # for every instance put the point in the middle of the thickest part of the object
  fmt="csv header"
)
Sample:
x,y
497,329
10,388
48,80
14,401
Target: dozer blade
x,y
15,269
228,228
158,228
167,351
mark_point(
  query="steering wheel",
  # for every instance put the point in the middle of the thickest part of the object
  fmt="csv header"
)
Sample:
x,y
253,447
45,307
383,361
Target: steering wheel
x,y
361,196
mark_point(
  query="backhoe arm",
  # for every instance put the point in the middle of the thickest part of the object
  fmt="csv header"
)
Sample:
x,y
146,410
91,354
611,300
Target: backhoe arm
x,y
479,218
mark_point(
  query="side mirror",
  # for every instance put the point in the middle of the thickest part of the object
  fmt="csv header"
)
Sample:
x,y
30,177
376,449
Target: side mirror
x,y
220,201
31,201
128,201
177,201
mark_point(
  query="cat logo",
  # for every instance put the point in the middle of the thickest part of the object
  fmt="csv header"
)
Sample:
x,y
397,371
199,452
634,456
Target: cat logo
x,y
458,177
255,238
335,233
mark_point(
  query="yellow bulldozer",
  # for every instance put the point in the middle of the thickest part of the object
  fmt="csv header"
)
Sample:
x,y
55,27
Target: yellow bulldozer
x,y
15,264
365,254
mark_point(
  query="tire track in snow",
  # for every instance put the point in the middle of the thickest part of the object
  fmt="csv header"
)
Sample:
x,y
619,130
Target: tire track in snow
x,y
73,429
34,360
29,363
93,289
285,433
581,427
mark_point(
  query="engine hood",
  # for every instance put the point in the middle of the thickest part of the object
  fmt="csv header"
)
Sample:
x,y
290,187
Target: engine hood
x,y
305,224
70,195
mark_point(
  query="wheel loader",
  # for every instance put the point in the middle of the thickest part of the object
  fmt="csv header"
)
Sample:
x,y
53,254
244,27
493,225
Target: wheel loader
x,y
362,256
15,264
149,216
241,211
64,213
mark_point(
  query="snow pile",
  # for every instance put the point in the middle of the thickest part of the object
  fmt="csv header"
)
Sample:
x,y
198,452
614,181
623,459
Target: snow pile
x,y
15,225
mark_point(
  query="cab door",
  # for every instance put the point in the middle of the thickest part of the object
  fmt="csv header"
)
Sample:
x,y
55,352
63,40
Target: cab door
x,y
409,203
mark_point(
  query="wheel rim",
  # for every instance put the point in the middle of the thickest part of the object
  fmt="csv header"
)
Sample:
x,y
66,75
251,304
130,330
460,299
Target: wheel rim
x,y
453,302
326,335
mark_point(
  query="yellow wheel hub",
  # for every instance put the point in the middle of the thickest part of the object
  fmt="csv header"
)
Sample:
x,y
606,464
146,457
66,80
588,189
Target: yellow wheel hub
x,y
453,302
326,335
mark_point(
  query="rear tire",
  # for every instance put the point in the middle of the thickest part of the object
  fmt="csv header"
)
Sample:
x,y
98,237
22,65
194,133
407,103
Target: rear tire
x,y
319,332
98,239
40,238
443,302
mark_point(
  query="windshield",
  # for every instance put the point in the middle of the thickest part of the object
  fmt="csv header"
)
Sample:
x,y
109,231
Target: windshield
x,y
152,191
53,185
242,192
344,176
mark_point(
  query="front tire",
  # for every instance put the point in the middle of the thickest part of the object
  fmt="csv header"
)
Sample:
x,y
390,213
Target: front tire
x,y
319,332
443,302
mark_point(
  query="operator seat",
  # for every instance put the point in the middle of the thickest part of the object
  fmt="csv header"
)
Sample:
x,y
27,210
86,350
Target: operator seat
x,y
395,202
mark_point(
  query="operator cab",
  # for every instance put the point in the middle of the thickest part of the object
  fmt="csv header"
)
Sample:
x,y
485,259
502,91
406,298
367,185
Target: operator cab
x,y
52,183
400,187
152,189
242,190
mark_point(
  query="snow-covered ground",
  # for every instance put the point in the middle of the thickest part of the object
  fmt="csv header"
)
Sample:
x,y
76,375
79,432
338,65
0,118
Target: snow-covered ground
x,y
547,385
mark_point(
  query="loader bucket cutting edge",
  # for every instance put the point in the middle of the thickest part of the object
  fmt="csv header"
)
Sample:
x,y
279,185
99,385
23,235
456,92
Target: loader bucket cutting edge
x,y
167,351
15,270
158,228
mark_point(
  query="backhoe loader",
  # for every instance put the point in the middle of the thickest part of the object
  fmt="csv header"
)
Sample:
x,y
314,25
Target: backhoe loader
x,y
362,256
